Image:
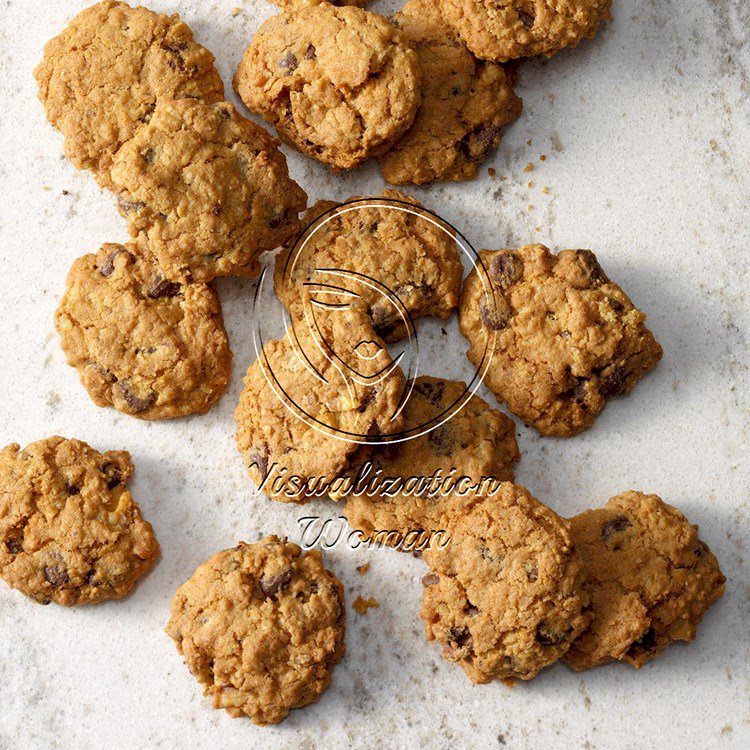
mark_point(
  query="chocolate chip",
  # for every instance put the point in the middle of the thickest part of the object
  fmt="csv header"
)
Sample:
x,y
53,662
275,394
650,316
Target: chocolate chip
x,y
176,47
471,610
615,526
136,403
505,269
527,16
475,146
591,265
615,304
108,267
646,643
495,317
440,440
461,637
310,52
71,489
271,585
163,288
90,576
614,382
216,210
289,61
548,637
56,576
260,460
430,579
532,572
701,549
127,206
14,546
111,474
433,392
148,155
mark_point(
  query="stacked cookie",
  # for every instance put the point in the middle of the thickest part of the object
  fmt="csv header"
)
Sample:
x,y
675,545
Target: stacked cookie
x,y
204,192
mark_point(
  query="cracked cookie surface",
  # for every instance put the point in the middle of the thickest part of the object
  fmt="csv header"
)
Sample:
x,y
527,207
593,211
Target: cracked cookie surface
x,y
339,84
521,28
410,256
261,627
650,577
331,400
471,438
563,339
465,105
70,532
101,77
208,188
149,347
504,596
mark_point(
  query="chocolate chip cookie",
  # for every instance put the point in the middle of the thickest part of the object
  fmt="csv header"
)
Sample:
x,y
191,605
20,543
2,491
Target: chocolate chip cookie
x,y
261,627
313,399
558,338
522,28
150,347
466,439
504,597
407,260
100,79
339,84
70,532
465,105
208,188
651,580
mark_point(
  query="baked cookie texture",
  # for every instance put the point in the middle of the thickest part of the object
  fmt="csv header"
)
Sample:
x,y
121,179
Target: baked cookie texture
x,y
150,347
70,532
409,254
208,188
100,79
522,28
466,439
562,339
340,84
465,105
261,627
651,580
314,399
504,597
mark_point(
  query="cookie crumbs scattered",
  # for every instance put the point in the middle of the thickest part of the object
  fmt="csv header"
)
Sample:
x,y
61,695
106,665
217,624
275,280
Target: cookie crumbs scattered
x,y
545,190
529,142
542,157
529,167
443,331
492,172
362,569
65,192
362,605
530,207
530,185
46,188
236,11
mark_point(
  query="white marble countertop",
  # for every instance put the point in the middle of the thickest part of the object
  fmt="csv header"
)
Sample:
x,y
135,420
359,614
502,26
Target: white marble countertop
x,y
646,131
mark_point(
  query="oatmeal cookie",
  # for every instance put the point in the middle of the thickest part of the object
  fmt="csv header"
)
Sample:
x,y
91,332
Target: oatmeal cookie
x,y
475,442
410,256
100,79
313,400
465,105
504,597
150,347
339,84
563,339
208,188
651,580
261,627
522,28
70,532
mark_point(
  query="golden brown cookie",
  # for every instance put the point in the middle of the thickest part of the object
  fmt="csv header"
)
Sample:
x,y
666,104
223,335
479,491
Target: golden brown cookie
x,y
208,188
504,597
466,440
651,580
522,28
397,250
562,338
261,627
100,79
465,105
70,532
339,84
313,399
152,348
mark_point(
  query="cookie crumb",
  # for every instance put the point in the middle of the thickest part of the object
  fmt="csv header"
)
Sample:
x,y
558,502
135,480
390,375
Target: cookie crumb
x,y
529,185
362,605
362,569
65,192
542,157
545,190
236,11
529,167
492,172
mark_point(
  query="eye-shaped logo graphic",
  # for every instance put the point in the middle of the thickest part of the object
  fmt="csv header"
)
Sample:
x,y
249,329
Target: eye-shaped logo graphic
x,y
332,303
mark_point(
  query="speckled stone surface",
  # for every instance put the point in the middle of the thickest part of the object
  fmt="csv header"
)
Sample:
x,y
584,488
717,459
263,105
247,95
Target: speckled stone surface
x,y
645,132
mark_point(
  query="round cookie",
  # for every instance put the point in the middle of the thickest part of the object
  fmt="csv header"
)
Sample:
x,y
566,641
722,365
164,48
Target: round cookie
x,y
651,580
313,400
152,348
475,442
410,256
261,627
339,84
522,28
465,105
504,597
70,532
100,79
208,188
562,337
